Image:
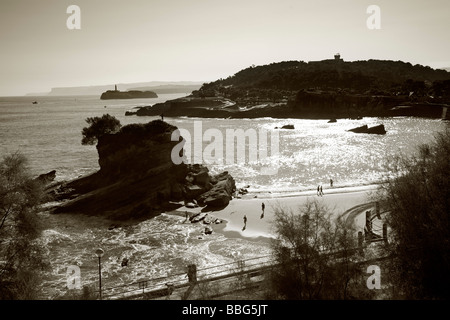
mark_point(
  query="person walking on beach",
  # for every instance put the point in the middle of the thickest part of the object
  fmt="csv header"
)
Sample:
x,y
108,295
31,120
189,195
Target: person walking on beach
x,y
331,183
263,206
318,190
321,191
245,219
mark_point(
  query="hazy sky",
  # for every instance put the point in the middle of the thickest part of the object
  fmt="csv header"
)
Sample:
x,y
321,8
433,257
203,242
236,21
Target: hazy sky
x,y
204,40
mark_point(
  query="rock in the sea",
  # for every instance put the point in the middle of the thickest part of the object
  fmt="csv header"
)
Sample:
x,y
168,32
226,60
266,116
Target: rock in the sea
x,y
332,120
47,177
132,94
361,129
377,129
288,126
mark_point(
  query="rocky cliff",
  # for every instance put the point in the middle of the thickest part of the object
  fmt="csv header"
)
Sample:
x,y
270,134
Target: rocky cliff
x,y
138,177
305,104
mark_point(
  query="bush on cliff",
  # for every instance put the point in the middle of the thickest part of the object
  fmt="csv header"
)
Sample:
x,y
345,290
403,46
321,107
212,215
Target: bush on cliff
x,y
152,128
99,126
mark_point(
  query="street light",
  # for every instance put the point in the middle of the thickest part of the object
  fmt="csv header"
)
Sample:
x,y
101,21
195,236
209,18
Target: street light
x,y
99,252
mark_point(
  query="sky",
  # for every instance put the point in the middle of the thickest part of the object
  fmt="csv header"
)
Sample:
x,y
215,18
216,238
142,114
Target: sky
x,y
204,40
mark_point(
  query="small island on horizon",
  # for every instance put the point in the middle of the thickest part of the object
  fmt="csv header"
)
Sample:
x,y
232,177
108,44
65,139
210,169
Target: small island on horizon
x,y
132,94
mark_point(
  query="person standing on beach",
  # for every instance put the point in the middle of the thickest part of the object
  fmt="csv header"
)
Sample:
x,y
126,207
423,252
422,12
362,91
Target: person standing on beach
x,y
331,183
321,191
318,190
245,223
263,206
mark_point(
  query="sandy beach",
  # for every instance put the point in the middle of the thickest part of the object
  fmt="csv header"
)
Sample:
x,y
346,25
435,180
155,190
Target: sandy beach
x,y
340,200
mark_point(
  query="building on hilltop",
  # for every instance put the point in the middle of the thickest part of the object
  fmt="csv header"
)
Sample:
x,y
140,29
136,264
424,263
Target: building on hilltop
x,y
337,58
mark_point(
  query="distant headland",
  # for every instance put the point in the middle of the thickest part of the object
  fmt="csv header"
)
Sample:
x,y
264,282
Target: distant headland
x,y
159,87
132,94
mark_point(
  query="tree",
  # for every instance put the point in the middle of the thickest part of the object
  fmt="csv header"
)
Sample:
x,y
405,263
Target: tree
x,y
417,198
315,255
20,254
99,126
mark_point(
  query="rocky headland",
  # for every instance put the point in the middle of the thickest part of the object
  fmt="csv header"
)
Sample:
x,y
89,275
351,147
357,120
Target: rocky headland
x,y
137,178
328,89
303,105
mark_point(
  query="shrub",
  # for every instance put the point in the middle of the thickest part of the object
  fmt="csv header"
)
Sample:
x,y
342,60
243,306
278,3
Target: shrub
x,y
417,197
315,255
99,126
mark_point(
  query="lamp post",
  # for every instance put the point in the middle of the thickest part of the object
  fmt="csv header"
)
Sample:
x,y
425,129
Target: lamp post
x,y
99,252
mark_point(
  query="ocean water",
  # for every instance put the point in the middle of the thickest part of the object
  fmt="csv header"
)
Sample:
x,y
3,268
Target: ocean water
x,y
49,134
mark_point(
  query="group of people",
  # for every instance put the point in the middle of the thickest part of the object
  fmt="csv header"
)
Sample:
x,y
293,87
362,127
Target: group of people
x,y
320,189
263,207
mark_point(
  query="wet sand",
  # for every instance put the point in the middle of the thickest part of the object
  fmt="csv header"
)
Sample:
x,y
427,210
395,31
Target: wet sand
x,y
338,200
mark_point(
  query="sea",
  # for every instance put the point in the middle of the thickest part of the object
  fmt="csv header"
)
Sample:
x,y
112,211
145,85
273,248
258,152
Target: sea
x,y
48,133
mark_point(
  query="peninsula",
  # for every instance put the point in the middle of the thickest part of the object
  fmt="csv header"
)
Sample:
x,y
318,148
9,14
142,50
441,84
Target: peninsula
x,y
132,94
327,89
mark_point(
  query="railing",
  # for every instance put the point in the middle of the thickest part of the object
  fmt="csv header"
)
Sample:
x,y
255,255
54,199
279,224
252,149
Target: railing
x,y
163,286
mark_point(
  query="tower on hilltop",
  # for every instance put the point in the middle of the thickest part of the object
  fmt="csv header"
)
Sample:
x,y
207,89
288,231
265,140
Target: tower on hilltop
x,y
337,57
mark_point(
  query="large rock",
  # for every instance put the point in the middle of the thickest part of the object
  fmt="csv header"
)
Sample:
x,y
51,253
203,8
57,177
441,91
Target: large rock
x,y
217,199
138,177
221,192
